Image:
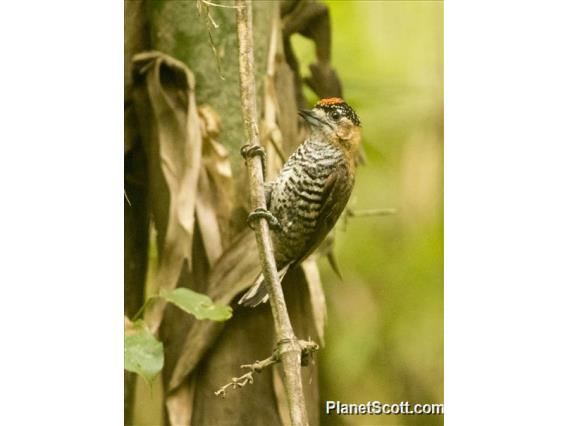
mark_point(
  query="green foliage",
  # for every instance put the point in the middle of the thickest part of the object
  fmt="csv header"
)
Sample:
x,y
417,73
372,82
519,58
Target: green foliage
x,y
385,324
199,305
143,353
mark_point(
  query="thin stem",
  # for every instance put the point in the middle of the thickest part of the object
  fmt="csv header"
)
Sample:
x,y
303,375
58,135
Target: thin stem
x,y
370,212
209,3
288,346
247,378
127,200
143,307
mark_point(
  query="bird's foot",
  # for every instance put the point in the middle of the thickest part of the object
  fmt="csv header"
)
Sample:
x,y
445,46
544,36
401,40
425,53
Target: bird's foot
x,y
273,223
249,151
307,348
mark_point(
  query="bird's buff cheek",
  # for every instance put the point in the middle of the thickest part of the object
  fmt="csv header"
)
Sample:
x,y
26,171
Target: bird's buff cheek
x,y
345,134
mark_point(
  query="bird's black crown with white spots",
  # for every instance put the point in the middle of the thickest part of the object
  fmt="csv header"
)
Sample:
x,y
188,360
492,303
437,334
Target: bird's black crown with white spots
x,y
339,105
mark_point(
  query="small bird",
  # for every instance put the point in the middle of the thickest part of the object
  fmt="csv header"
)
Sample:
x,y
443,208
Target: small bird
x,y
312,189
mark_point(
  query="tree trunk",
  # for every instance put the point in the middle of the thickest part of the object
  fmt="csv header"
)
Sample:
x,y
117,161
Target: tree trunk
x,y
201,356
136,217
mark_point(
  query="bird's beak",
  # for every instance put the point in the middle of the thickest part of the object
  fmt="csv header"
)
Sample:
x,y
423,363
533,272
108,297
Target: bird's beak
x,y
311,118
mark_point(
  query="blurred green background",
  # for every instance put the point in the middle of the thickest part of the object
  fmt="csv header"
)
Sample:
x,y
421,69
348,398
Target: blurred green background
x,y
384,336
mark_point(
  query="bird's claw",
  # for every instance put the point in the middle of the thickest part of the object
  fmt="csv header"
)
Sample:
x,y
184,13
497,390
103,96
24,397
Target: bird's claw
x,y
248,151
265,214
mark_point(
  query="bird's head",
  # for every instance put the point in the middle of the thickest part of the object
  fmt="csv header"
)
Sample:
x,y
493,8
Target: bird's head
x,y
336,122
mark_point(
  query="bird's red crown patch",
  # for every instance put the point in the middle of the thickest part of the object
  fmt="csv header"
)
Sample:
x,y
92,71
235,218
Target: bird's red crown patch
x,y
330,101
338,105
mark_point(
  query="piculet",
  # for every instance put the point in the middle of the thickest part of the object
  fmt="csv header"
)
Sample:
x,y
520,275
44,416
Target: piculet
x,y
312,189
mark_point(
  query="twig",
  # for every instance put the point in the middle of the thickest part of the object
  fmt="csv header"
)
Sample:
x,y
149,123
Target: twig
x,y
370,212
211,22
246,378
349,213
146,303
288,347
208,3
308,347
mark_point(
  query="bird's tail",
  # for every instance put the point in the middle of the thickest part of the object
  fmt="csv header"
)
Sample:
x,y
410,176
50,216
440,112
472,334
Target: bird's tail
x,y
258,293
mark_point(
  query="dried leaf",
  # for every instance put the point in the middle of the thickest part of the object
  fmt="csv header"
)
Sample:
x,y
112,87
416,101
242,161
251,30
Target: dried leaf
x,y
174,134
311,19
179,404
332,259
236,270
215,190
207,219
326,249
324,80
317,295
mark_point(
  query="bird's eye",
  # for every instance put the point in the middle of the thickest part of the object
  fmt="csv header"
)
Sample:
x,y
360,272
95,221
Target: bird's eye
x,y
335,115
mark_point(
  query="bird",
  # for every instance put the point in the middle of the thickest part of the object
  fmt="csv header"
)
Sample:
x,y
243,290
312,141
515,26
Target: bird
x,y
312,188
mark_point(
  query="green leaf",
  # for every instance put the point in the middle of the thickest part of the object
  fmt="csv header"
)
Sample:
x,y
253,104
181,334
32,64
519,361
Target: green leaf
x,y
197,304
143,354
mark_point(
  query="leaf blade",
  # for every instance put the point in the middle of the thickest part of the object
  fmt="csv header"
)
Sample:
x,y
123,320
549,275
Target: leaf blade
x,y
197,304
143,353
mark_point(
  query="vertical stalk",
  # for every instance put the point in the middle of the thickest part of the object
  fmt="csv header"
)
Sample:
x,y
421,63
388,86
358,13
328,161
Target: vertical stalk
x,y
288,346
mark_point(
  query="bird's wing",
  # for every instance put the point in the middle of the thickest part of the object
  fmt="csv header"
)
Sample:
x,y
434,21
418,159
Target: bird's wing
x,y
336,192
258,293
268,193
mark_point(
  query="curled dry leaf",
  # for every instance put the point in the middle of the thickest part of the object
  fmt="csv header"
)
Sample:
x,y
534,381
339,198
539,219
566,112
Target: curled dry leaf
x,y
215,188
207,219
166,105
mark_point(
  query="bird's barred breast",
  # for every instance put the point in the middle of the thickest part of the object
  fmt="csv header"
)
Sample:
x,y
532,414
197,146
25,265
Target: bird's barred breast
x,y
297,196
